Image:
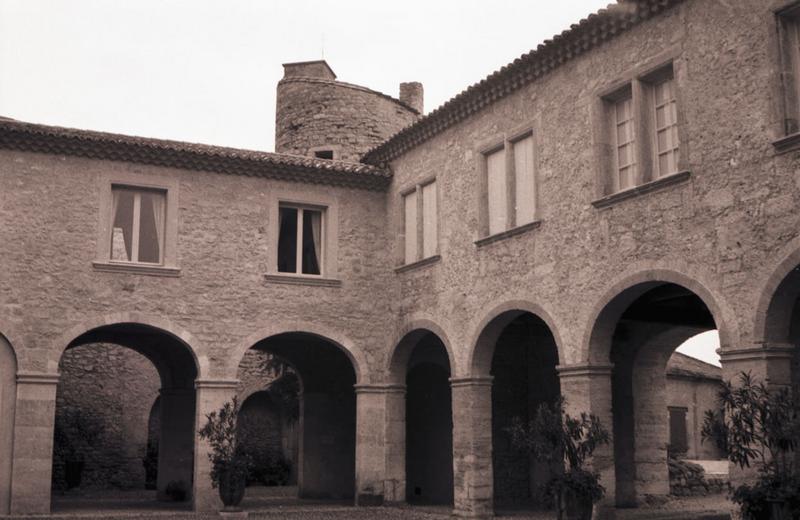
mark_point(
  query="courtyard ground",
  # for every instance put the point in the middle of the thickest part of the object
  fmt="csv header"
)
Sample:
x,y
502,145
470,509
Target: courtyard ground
x,y
276,503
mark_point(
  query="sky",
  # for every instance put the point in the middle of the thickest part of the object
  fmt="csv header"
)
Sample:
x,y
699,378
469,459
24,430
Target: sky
x,y
206,71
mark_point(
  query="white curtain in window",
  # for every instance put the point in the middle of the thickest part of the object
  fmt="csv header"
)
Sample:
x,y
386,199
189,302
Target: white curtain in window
x,y
158,215
119,248
316,233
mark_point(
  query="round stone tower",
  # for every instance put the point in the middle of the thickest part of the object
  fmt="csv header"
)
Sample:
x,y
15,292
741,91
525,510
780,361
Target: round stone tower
x,y
318,116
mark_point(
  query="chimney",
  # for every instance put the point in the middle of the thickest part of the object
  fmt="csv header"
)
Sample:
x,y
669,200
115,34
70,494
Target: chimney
x,y
318,69
411,94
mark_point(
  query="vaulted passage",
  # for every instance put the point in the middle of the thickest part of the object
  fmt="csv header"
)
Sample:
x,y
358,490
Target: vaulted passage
x,y
524,370
104,439
304,411
649,321
783,330
429,424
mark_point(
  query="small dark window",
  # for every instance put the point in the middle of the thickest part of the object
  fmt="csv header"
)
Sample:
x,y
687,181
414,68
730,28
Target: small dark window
x,y
678,441
324,154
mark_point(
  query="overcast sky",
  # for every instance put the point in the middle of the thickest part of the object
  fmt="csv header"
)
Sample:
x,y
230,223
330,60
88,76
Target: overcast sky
x,y
206,71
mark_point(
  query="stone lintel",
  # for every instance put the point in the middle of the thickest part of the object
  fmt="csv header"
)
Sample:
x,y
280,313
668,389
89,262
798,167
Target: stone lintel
x,y
458,382
222,384
566,371
37,378
379,389
758,353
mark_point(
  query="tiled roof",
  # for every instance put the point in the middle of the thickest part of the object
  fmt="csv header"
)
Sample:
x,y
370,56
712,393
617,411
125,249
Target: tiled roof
x,y
682,365
31,137
578,39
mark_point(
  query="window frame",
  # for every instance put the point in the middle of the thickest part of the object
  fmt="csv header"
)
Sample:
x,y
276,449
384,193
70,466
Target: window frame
x,y
641,85
301,209
787,57
168,265
419,227
506,143
310,198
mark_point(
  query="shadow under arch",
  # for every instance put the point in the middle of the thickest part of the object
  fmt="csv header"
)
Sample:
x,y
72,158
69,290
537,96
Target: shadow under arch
x,y
409,337
606,312
776,303
489,329
8,399
327,372
78,333
275,329
176,363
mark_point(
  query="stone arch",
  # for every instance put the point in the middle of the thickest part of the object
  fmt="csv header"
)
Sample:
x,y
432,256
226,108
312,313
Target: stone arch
x,y
773,312
405,341
197,350
179,360
8,397
340,341
606,312
488,330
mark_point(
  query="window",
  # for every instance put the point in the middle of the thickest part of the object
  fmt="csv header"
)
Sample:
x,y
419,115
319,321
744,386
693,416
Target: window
x,y
138,225
626,141
789,32
420,223
510,184
678,438
640,140
300,239
324,154
666,121
137,232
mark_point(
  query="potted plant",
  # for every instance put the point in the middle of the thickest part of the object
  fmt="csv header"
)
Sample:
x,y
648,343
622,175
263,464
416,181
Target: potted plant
x,y
555,436
230,463
759,426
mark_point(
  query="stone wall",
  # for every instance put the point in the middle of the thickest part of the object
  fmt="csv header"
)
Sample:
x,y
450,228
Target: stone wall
x,y
322,114
113,388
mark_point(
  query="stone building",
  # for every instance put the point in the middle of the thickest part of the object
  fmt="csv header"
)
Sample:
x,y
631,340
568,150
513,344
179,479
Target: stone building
x,y
558,228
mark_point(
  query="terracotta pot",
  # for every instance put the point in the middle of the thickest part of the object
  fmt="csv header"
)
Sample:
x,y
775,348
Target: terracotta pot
x,y
571,506
231,488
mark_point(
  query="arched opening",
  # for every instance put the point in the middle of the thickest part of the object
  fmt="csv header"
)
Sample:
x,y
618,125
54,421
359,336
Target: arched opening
x,y
521,353
125,411
269,394
639,330
309,424
429,424
8,399
782,327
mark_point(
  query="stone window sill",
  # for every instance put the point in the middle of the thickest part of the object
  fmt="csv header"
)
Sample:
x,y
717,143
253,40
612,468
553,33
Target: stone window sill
x,y
419,264
636,191
296,279
144,269
788,143
519,230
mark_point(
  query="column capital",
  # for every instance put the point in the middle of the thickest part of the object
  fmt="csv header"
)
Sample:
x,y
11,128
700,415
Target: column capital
x,y
221,384
379,388
458,382
584,370
37,378
762,351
